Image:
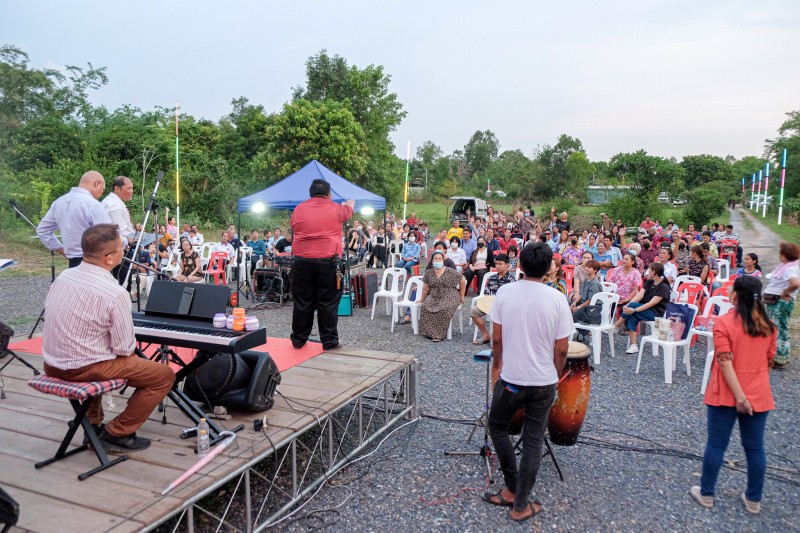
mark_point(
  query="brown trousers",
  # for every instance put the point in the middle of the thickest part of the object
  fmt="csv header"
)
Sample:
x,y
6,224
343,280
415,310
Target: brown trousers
x,y
152,381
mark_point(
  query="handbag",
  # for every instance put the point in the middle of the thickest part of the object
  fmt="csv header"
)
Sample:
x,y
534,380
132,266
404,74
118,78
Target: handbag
x,y
594,314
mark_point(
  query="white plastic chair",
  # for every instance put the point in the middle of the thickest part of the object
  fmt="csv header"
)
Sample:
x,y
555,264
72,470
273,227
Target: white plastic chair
x,y
244,263
205,254
610,300
724,267
415,282
609,287
685,279
475,302
394,253
393,278
670,349
724,306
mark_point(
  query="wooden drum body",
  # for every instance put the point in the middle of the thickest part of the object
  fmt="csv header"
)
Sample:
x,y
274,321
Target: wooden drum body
x,y
569,410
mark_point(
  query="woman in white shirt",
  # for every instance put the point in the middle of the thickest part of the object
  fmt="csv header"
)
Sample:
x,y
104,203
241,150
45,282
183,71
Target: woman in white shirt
x,y
780,296
457,254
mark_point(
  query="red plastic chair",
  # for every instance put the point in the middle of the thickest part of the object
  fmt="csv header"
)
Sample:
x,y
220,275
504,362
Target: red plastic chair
x,y
217,263
694,293
569,275
557,257
728,251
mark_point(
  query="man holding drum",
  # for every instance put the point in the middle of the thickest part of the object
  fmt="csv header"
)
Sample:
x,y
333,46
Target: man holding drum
x,y
532,324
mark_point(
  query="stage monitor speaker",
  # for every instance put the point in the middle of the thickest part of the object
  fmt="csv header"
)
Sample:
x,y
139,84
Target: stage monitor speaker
x,y
245,381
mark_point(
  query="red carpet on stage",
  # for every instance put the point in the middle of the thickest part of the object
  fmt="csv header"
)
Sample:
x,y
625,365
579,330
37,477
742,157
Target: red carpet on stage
x,y
281,351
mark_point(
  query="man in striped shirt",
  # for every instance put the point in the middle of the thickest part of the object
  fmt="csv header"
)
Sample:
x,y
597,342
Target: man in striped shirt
x,y
88,336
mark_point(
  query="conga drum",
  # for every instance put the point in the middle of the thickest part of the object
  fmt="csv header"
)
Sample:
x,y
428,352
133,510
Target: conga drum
x,y
569,410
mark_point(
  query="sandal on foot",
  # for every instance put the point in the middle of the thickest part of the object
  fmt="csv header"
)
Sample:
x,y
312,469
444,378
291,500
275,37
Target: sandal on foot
x,y
502,502
534,512
478,342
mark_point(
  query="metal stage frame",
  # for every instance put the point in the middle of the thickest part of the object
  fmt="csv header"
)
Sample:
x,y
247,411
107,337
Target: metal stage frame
x,y
276,480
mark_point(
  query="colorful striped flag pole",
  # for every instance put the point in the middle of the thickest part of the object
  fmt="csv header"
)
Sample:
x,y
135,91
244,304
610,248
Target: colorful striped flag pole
x,y
405,186
743,193
766,188
177,171
752,189
783,178
758,196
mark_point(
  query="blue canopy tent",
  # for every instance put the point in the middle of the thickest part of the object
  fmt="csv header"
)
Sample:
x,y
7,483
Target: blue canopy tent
x,y
293,190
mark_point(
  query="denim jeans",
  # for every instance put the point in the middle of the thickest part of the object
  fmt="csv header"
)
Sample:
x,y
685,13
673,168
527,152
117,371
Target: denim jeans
x,y
631,321
720,426
408,265
537,402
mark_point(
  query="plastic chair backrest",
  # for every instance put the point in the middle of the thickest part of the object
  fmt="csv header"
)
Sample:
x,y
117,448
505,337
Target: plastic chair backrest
x,y
485,280
394,246
610,301
569,275
693,292
609,287
392,278
414,282
206,253
724,267
520,274
686,279
722,302
218,258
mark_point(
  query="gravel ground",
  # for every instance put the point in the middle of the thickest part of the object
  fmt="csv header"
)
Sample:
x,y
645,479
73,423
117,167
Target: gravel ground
x,y
410,485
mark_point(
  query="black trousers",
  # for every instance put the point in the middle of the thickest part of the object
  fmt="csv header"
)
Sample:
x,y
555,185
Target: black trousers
x,y
314,288
121,270
75,261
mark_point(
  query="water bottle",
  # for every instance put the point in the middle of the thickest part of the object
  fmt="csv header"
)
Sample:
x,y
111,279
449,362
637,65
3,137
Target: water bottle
x,y
202,438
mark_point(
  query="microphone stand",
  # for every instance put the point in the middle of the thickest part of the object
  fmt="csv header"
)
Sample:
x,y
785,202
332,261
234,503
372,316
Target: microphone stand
x,y
159,274
20,214
150,207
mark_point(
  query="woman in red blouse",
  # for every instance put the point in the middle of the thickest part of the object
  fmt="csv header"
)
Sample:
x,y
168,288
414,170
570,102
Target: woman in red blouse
x,y
745,342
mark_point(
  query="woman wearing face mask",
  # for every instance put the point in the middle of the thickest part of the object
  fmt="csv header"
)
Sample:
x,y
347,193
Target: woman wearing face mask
x,y
572,254
581,274
379,245
442,292
457,254
636,249
410,255
681,251
479,263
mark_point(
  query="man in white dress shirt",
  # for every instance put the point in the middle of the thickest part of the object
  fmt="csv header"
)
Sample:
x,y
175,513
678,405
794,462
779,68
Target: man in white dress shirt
x,y
121,193
72,214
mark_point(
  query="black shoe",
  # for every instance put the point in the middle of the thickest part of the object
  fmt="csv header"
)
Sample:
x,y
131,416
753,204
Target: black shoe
x,y
298,344
130,443
98,428
332,346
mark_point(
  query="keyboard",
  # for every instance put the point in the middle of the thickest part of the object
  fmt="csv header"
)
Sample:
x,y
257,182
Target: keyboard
x,y
195,334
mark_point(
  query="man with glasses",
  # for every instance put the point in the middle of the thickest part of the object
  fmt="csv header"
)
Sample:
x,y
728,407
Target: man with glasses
x,y
88,336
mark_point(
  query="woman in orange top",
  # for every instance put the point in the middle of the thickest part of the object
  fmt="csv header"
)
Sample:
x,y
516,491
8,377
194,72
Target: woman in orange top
x,y
745,341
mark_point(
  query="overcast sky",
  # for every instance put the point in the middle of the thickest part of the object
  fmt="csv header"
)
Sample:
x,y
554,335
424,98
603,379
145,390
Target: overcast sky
x,y
675,77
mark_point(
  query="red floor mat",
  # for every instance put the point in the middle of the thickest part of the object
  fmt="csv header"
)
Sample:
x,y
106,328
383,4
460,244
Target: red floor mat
x,y
281,351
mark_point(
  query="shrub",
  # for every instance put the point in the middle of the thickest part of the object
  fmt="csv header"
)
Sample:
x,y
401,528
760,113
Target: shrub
x,y
632,208
706,203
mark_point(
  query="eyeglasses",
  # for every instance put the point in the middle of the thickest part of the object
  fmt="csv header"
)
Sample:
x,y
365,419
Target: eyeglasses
x,y
115,251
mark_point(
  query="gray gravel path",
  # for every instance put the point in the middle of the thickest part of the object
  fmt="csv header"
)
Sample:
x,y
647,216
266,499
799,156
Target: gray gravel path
x,y
604,489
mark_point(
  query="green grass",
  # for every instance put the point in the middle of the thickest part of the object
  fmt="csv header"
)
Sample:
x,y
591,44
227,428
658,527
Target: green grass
x,y
784,231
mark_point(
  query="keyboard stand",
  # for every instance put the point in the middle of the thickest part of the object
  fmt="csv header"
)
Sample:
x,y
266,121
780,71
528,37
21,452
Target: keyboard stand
x,y
186,405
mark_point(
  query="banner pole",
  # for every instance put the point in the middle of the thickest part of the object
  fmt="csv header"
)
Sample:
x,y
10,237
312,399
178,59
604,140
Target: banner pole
x,y
783,179
405,185
177,171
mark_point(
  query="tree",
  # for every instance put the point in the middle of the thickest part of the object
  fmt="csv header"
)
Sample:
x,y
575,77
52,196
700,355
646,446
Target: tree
x,y
428,153
515,174
578,171
480,151
645,174
553,160
325,131
702,169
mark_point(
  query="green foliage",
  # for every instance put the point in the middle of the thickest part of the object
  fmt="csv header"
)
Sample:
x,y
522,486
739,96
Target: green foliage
x,y
578,171
480,151
701,169
789,138
632,208
515,174
645,174
707,202
553,162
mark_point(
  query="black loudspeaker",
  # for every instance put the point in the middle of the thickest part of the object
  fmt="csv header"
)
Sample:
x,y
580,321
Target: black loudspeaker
x,y
245,381
9,510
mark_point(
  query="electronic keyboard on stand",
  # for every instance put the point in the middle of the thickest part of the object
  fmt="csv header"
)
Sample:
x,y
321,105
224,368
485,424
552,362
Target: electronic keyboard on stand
x,y
181,315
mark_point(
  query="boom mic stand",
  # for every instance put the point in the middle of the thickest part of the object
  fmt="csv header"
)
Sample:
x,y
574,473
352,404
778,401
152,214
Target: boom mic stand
x,y
19,214
150,208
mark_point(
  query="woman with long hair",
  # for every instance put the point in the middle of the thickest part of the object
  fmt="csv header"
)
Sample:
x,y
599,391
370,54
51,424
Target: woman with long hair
x,y
780,295
697,265
190,263
555,277
751,266
745,342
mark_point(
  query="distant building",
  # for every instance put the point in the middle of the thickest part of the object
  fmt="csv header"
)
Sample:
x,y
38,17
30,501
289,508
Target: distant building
x,y
601,194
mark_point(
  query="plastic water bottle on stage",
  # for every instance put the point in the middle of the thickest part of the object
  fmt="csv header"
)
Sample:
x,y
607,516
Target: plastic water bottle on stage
x,y
202,438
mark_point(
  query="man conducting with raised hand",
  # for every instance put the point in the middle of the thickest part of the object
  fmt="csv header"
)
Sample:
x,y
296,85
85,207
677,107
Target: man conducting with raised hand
x,y
72,214
532,323
88,336
317,246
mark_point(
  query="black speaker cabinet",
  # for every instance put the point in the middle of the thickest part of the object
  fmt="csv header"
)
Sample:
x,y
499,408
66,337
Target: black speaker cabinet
x,y
245,381
9,510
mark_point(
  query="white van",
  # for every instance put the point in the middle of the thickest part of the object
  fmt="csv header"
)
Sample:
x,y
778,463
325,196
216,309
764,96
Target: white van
x,y
461,204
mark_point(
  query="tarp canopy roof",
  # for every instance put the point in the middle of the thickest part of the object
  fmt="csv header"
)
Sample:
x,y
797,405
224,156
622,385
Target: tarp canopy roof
x,y
293,189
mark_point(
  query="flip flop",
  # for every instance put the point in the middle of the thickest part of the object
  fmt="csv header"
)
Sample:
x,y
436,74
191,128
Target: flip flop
x,y
480,342
532,505
502,502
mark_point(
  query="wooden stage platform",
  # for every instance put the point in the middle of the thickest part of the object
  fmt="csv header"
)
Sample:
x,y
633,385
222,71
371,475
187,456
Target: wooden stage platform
x,y
332,406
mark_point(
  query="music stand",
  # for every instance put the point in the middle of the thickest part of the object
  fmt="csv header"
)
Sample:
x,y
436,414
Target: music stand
x,y
485,357
5,338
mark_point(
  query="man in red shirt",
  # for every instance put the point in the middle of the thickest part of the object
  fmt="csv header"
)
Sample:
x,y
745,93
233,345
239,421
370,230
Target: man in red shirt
x,y
317,246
